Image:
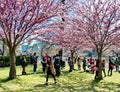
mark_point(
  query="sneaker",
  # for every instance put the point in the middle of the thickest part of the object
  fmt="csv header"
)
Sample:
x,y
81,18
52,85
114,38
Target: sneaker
x,y
34,72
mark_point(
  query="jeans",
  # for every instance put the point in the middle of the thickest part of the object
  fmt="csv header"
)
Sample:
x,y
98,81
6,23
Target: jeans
x,y
35,67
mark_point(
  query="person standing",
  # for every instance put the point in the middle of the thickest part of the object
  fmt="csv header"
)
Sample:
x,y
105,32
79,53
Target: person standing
x,y
44,63
88,63
57,64
91,60
84,64
70,63
117,65
34,63
24,64
97,67
111,66
50,70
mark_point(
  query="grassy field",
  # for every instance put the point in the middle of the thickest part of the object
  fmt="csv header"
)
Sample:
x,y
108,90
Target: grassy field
x,y
77,81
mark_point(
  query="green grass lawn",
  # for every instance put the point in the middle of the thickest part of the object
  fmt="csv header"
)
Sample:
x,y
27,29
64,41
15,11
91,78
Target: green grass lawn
x,y
77,81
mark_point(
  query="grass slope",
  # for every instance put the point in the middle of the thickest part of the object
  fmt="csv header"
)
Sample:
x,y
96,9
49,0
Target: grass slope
x,y
77,81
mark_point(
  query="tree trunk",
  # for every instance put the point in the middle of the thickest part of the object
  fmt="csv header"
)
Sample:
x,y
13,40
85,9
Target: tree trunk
x,y
72,55
12,59
60,53
100,66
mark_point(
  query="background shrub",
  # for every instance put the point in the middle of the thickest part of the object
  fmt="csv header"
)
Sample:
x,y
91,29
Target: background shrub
x,y
4,60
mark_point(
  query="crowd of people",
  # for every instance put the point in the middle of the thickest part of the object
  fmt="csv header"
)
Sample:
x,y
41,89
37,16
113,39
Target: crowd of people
x,y
50,65
53,65
92,65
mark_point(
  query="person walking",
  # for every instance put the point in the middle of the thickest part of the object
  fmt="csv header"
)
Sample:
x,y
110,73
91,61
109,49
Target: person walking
x,y
24,64
79,63
84,64
70,63
50,70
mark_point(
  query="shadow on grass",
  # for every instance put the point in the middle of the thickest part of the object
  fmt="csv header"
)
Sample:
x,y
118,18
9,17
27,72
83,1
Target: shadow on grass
x,y
0,85
48,88
65,72
31,73
26,74
8,79
41,85
81,72
78,86
5,80
26,90
94,83
65,87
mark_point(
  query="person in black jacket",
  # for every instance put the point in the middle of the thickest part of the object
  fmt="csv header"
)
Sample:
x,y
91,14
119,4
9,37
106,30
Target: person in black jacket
x,y
84,64
57,65
34,63
70,63
111,66
23,63
117,64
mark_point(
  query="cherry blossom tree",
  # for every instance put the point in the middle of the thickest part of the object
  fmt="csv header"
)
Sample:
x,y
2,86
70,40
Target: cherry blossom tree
x,y
69,38
65,32
20,19
66,36
99,21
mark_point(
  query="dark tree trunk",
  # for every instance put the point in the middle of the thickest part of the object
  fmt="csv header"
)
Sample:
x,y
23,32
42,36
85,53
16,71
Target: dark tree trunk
x,y
100,66
72,55
60,53
41,52
12,59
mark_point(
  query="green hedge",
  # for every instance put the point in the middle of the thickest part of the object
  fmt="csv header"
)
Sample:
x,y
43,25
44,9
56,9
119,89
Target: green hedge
x,y
4,60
